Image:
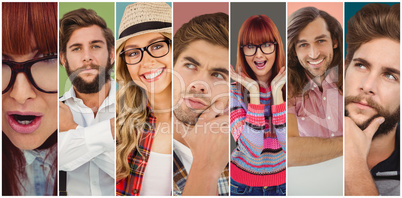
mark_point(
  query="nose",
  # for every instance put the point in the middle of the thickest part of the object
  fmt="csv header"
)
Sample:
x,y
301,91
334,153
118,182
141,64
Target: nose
x,y
258,53
147,59
369,85
313,52
22,89
199,87
87,56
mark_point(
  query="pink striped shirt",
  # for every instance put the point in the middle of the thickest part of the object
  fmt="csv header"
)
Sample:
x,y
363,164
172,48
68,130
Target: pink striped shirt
x,y
319,113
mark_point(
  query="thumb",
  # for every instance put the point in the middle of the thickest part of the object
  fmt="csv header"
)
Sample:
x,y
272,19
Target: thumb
x,y
372,128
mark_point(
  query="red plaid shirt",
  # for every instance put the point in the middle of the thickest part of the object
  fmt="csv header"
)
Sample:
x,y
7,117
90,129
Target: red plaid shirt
x,y
131,185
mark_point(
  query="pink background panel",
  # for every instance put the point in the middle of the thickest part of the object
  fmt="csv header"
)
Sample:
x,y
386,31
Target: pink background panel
x,y
335,9
184,12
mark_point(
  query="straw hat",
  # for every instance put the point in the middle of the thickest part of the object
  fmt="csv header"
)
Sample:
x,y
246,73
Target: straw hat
x,y
144,17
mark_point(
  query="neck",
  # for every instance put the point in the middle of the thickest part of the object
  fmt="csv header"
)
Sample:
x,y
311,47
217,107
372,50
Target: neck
x,y
264,81
161,104
317,79
94,100
179,130
381,148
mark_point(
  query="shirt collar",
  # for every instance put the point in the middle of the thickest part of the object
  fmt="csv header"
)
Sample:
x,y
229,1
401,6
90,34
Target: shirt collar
x,y
111,96
31,155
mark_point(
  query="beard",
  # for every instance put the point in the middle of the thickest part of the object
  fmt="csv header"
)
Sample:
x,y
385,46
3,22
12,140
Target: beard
x,y
391,118
189,116
97,83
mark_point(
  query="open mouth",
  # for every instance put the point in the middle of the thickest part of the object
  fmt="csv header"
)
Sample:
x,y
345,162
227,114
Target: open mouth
x,y
260,64
24,123
153,75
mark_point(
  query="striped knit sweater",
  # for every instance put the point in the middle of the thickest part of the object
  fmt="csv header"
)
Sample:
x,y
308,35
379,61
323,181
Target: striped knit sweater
x,y
260,156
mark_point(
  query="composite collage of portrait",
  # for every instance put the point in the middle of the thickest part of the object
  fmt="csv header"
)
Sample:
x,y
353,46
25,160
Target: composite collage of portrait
x,y
200,98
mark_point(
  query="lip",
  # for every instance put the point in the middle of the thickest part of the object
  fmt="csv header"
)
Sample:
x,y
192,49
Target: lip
x,y
88,71
153,72
362,105
195,103
24,128
260,64
316,64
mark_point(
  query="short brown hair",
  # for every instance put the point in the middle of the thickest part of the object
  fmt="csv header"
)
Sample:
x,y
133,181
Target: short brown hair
x,y
213,28
80,18
372,21
297,22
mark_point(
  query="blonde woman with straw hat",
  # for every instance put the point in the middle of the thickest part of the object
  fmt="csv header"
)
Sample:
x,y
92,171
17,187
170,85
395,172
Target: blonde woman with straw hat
x,y
144,158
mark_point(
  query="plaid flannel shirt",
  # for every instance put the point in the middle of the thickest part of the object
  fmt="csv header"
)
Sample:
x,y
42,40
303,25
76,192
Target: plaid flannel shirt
x,y
180,178
131,185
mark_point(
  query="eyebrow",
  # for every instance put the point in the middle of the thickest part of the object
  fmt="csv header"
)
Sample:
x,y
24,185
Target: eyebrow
x,y
221,70
192,60
149,42
386,69
316,38
79,44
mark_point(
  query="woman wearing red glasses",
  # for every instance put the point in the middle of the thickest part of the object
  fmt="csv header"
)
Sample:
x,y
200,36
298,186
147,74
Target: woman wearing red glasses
x,y
29,110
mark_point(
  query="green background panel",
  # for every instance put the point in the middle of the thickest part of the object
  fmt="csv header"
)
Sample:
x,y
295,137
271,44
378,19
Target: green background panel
x,y
105,10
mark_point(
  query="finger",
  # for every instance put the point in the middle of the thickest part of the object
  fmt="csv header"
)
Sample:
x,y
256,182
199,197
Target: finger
x,y
372,128
212,112
282,70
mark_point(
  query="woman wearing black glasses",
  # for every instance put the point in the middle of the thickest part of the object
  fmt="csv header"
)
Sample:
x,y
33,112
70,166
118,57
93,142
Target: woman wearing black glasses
x,y
258,164
29,110
144,139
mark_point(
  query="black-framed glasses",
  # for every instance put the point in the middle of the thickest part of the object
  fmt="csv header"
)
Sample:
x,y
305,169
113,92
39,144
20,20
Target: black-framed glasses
x,y
41,73
266,48
134,55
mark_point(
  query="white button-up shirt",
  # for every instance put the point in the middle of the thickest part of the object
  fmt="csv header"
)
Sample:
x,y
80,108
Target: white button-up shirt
x,y
87,153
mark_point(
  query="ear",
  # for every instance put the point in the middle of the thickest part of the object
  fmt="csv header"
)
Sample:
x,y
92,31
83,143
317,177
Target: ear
x,y
63,60
112,56
335,43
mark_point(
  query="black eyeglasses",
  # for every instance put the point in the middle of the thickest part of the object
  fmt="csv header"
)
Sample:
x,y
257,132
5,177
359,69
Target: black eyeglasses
x,y
41,73
266,48
134,55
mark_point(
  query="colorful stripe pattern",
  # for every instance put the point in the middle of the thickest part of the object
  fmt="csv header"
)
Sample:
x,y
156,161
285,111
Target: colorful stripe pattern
x,y
260,156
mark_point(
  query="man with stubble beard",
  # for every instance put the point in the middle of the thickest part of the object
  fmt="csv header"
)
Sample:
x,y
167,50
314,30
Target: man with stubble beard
x,y
87,110
201,86
372,101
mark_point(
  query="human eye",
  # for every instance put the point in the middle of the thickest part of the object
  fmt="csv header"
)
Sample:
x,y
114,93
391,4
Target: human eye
x,y
321,41
250,46
132,53
218,75
96,46
302,45
157,46
75,49
360,66
190,66
390,76
268,44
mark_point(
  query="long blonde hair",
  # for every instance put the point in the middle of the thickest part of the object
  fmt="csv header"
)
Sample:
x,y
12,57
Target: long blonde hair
x,y
131,115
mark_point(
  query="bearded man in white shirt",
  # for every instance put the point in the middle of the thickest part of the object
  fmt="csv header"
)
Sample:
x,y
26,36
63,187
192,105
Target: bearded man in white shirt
x,y
87,110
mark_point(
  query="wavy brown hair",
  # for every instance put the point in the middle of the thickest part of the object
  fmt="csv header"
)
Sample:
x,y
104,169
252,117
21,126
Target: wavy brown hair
x,y
25,25
258,29
131,115
372,21
296,23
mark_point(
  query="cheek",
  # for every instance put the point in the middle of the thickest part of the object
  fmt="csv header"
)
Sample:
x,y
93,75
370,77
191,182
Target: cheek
x,y
51,101
134,72
249,60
